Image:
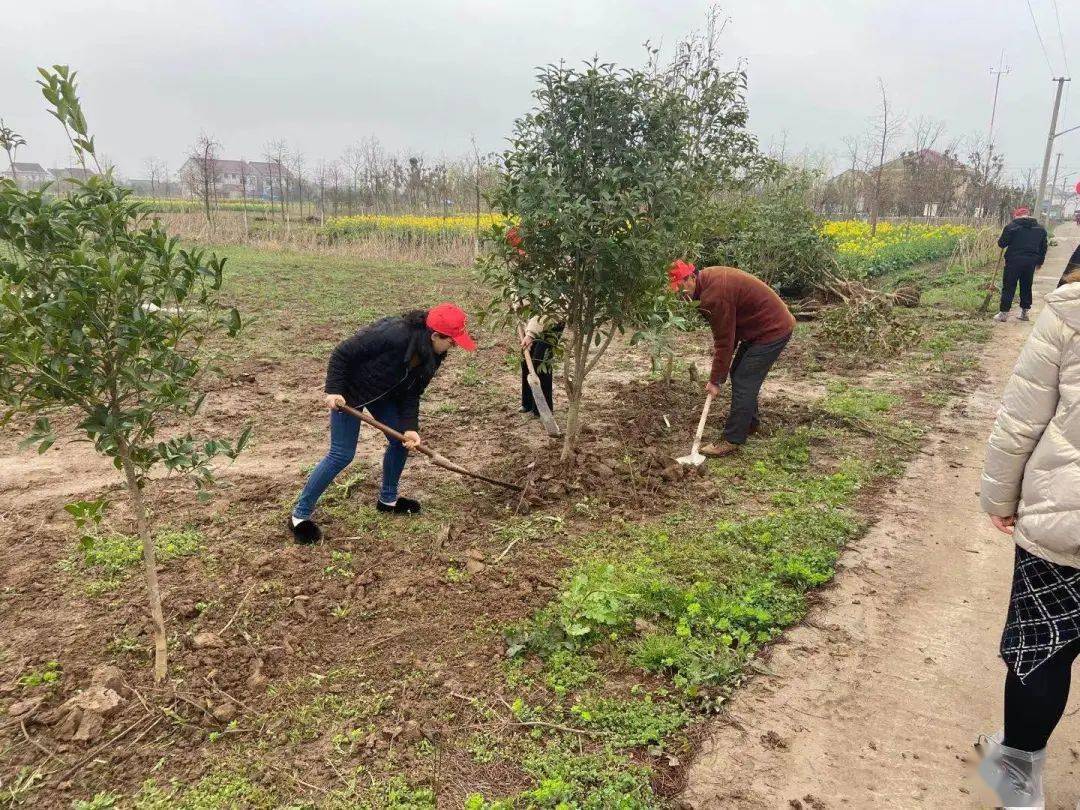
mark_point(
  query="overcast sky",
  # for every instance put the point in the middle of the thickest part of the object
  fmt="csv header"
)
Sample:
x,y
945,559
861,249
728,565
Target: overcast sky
x,y
425,74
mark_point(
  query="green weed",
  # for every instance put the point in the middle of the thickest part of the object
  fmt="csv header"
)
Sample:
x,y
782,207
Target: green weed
x,y
109,557
629,723
49,674
100,801
567,778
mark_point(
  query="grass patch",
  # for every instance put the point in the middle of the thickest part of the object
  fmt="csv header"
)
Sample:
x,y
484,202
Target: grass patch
x,y
565,777
848,401
106,559
298,292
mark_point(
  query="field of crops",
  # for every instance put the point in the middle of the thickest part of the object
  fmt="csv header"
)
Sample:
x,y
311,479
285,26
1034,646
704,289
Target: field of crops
x,y
179,205
408,227
893,247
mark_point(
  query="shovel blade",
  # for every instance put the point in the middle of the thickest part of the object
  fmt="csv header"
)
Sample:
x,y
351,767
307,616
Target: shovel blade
x,y
692,460
546,417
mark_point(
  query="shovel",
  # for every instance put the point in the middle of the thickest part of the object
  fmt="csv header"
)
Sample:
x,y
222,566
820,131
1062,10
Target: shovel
x,y
546,417
993,285
695,458
436,458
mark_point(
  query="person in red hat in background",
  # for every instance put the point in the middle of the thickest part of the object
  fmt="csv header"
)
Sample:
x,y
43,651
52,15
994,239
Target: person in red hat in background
x,y
1025,242
751,325
383,368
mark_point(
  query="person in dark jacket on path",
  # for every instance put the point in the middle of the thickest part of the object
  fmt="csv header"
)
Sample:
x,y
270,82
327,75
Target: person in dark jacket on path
x,y
384,368
1025,242
743,312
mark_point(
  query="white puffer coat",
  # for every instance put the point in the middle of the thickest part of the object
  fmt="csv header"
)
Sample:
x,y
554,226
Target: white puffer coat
x,y
1033,458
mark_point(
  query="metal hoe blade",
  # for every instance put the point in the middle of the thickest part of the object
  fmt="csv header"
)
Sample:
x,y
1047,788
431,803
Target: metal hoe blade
x,y
696,458
692,460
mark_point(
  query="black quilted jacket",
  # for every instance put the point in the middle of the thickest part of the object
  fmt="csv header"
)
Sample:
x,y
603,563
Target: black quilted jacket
x,y
1025,242
378,362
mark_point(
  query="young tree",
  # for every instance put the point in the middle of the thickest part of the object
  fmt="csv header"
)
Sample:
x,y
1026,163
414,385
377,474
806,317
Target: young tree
x,y
10,141
604,177
104,316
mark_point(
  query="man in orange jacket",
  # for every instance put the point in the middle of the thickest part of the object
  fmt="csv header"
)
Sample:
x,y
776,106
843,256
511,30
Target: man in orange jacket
x,y
746,313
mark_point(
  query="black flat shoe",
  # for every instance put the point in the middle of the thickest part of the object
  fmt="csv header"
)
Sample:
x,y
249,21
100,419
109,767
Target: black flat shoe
x,y
404,506
305,532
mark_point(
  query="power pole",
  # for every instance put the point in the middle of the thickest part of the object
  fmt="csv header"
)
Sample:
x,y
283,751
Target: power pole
x,y
1001,71
1053,189
1050,145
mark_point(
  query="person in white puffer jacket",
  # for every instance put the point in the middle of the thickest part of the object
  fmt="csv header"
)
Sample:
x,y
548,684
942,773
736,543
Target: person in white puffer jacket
x,y
1031,490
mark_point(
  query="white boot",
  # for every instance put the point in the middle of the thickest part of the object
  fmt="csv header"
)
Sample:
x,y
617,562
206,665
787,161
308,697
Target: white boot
x,y
1024,315
1001,317
1014,775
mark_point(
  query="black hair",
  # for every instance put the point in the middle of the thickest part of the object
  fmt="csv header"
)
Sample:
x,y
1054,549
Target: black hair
x,y
420,343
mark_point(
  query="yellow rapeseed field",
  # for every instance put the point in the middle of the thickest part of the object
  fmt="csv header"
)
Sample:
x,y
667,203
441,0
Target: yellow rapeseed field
x,y
894,246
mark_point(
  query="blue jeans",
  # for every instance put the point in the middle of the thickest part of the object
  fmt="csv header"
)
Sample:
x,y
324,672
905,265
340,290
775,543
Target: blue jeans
x,y
344,433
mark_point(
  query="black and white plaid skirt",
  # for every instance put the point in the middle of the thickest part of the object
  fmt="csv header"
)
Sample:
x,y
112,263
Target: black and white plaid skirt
x,y
1044,612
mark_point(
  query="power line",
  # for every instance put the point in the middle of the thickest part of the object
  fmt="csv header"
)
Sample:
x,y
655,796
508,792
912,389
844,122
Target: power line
x,y
1038,33
1061,38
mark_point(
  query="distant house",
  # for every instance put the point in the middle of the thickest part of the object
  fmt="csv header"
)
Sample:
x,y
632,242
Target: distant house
x,y
29,175
62,176
924,183
232,179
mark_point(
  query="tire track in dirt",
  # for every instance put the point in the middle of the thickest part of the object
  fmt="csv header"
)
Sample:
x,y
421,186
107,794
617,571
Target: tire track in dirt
x,y
876,698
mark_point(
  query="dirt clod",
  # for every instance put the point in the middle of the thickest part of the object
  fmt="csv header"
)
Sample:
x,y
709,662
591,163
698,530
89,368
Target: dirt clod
x,y
25,709
224,712
207,640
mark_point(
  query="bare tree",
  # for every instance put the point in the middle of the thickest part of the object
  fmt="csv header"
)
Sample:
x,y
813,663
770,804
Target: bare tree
x,y
320,183
297,173
333,177
277,155
205,172
854,184
920,163
353,159
377,171
155,175
243,194
883,132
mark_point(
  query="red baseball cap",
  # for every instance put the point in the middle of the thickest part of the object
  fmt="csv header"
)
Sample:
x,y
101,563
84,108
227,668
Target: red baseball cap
x,y
1022,211
679,272
449,319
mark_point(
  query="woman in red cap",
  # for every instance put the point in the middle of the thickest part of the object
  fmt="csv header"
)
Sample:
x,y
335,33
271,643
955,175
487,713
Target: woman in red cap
x,y
384,368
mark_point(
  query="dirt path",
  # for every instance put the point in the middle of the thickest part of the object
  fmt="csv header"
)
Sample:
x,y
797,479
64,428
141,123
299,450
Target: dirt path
x,y
876,699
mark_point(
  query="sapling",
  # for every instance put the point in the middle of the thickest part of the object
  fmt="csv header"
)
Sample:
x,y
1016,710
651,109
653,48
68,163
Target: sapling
x,y
106,319
605,179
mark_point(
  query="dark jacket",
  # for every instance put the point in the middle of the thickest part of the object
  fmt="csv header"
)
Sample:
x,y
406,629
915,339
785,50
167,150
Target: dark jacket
x,y
1024,241
739,307
392,358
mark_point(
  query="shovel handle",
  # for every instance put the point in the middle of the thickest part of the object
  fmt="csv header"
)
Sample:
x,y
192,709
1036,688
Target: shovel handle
x,y
437,458
701,424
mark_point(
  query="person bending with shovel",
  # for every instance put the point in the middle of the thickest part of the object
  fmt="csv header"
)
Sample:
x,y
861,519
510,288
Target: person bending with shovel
x,y
384,369
743,312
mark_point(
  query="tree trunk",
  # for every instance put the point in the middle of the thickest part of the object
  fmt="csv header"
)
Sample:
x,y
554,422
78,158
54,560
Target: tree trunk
x,y
575,389
149,563
573,424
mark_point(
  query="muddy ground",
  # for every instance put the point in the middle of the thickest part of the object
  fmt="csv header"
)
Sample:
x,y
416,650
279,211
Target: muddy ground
x,y
379,653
